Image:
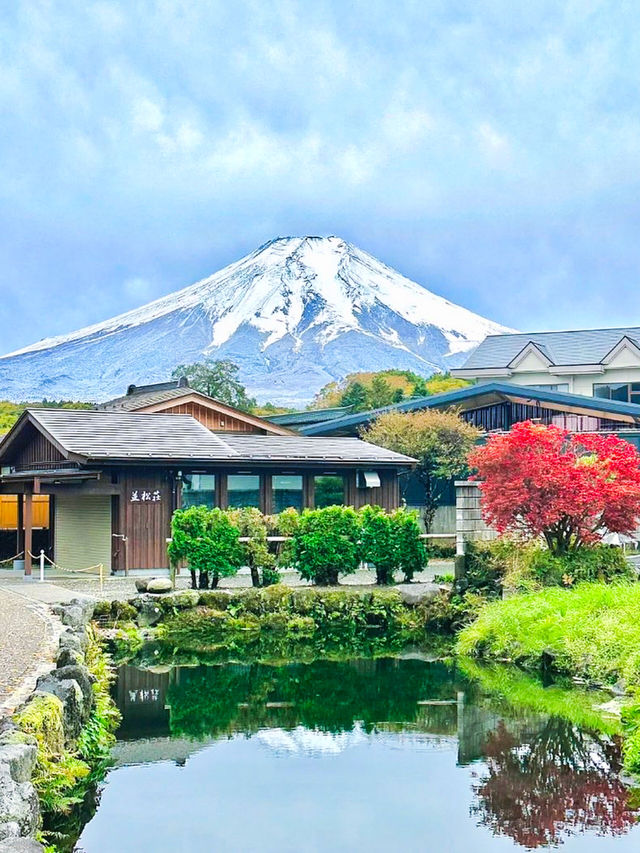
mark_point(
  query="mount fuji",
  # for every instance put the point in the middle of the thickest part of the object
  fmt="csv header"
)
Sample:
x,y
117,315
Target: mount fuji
x,y
293,315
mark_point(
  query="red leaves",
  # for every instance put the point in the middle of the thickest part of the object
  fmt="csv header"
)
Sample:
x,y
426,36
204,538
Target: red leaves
x,y
540,480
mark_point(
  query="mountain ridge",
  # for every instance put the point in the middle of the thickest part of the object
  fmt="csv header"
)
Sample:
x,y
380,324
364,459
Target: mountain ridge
x,y
295,313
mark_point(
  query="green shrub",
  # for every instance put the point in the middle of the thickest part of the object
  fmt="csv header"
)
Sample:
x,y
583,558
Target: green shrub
x,y
208,541
325,544
594,563
255,553
376,542
410,552
485,568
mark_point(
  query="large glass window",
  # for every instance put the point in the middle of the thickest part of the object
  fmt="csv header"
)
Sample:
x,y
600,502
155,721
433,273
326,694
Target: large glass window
x,y
243,490
625,392
287,492
198,490
328,490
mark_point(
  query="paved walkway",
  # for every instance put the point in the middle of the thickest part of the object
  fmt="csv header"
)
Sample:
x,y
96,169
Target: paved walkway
x,y
26,641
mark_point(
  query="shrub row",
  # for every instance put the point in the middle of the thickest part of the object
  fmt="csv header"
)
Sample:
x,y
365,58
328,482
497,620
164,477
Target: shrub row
x,y
323,543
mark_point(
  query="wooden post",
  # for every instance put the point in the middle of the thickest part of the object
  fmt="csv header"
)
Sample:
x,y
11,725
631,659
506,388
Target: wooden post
x,y
20,525
28,532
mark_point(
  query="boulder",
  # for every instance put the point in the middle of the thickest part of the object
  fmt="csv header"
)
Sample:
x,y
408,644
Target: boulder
x,y
142,584
19,806
415,595
84,678
149,613
69,657
70,640
20,754
182,599
21,845
69,692
159,585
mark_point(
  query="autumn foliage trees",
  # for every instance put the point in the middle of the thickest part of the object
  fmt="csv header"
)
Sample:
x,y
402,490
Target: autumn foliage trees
x,y
540,480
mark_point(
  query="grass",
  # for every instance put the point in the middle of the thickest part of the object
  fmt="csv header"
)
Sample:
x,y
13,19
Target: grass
x,y
592,631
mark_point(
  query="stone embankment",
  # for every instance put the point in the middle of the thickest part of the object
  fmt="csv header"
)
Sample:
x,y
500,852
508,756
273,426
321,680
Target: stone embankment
x,y
70,685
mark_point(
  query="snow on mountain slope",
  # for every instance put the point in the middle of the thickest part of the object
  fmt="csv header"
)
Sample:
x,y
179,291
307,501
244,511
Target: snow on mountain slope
x,y
295,314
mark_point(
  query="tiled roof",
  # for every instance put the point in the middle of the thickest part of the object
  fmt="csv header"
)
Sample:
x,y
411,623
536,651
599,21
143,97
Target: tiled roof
x,y
139,400
500,390
93,436
311,416
584,346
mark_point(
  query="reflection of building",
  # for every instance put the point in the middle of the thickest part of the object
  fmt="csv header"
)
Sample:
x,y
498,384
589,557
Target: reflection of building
x,y
141,696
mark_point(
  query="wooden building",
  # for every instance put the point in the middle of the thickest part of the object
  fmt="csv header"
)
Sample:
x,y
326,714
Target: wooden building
x,y
114,478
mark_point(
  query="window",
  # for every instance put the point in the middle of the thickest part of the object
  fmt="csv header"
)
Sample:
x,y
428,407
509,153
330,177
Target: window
x,y
560,386
625,392
287,491
243,490
328,490
198,490
368,480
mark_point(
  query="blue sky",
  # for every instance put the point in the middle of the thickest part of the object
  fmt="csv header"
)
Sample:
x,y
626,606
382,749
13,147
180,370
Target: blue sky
x,y
490,150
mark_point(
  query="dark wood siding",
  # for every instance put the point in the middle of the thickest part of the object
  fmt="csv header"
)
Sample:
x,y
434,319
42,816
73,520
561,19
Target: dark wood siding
x,y
146,522
37,453
387,495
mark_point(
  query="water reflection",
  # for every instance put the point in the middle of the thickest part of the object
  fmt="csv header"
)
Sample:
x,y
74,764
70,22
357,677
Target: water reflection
x,y
535,779
560,781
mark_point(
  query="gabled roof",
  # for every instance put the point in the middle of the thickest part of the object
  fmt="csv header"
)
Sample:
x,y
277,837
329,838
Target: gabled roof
x,y
531,347
89,437
485,394
580,346
161,397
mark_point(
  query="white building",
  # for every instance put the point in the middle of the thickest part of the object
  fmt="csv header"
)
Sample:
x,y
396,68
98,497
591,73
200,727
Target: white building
x,y
601,363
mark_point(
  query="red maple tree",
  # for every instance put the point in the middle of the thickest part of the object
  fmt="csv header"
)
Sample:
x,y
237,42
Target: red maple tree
x,y
541,480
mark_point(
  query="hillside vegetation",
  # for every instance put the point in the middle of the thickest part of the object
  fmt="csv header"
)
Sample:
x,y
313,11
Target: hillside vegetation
x,y
10,412
371,390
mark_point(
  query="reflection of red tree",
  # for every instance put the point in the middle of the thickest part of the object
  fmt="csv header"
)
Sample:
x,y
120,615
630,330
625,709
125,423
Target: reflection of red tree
x,y
562,783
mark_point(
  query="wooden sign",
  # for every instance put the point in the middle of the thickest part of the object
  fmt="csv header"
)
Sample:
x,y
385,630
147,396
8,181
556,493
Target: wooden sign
x,y
144,496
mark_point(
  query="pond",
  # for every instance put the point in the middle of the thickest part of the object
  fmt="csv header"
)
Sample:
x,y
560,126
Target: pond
x,y
380,755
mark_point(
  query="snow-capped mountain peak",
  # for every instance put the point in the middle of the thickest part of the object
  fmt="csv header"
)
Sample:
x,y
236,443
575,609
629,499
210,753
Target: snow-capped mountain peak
x,y
294,314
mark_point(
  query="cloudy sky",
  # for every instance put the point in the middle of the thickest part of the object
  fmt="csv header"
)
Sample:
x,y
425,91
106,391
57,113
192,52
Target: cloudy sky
x,y
489,149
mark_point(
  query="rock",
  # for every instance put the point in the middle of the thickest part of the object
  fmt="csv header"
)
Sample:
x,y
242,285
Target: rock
x,y
149,613
142,583
182,599
73,615
84,678
414,595
21,845
159,585
19,807
69,657
70,640
20,757
69,692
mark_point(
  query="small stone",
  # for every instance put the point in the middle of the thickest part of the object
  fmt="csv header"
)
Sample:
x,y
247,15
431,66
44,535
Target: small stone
x,y
142,584
418,594
159,585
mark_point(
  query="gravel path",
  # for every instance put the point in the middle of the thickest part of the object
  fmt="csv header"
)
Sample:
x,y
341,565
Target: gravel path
x,y
24,638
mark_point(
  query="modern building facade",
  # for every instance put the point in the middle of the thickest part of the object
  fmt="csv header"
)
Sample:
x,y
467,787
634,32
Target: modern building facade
x,y
603,363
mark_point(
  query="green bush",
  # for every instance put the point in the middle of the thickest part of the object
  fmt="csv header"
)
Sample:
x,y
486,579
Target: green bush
x,y
208,541
410,552
256,554
325,544
376,542
595,563
530,566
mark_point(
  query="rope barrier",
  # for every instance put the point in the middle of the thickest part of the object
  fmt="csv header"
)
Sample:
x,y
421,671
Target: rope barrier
x,y
11,559
97,569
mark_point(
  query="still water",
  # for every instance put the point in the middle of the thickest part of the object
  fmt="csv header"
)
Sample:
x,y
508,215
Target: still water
x,y
364,755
